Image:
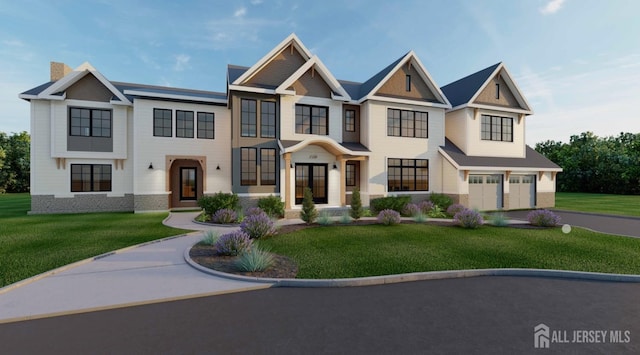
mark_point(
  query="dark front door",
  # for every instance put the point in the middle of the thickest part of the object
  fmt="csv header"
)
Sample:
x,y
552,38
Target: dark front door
x,y
313,176
188,183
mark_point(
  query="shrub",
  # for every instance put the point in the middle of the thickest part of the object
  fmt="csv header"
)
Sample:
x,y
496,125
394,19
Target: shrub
x,y
210,238
441,200
272,205
498,219
356,205
395,203
224,216
420,218
468,218
253,211
258,225
233,243
543,218
218,201
455,208
389,217
345,218
436,212
324,218
425,206
253,260
308,213
203,217
410,210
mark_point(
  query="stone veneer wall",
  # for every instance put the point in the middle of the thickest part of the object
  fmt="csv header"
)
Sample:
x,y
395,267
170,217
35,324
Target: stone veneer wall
x,y
461,199
41,204
143,203
545,199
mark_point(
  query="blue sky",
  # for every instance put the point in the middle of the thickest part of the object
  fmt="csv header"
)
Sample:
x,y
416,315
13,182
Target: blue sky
x,y
577,62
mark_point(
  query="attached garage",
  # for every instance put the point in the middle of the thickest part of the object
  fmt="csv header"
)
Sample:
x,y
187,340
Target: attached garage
x,y
522,191
485,192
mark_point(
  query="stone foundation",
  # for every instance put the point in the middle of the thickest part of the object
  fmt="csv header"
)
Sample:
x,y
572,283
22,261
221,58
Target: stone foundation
x,y
42,204
142,203
545,199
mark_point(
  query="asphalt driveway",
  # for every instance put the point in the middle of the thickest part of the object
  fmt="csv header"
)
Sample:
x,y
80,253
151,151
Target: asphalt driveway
x,y
619,225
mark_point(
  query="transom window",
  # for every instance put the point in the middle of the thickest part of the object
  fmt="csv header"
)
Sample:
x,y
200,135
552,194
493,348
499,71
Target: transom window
x,y
90,177
248,118
206,125
495,128
408,174
267,119
89,122
350,120
402,123
184,124
312,120
267,166
248,166
162,122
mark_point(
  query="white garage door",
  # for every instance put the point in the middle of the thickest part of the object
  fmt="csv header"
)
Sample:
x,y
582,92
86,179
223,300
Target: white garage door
x,y
522,191
485,192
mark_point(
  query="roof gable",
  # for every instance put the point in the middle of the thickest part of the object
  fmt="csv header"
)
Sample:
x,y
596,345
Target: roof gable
x,y
305,77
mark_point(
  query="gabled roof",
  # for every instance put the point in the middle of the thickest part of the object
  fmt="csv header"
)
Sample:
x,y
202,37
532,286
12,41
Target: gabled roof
x,y
150,91
331,81
234,72
375,81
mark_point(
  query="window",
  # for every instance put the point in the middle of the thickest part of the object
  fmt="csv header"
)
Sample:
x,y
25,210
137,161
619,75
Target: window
x,y
206,125
161,122
495,128
312,120
90,177
497,91
184,124
267,119
248,166
350,174
407,83
408,175
89,122
402,123
350,120
267,166
248,118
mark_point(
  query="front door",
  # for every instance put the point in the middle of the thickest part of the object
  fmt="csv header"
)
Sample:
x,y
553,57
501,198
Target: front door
x,y
313,176
188,184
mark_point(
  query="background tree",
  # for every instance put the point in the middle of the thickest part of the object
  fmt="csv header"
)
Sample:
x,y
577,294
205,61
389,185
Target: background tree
x,y
14,162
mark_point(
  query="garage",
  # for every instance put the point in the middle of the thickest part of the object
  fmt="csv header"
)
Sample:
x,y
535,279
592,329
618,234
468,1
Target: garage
x,y
522,191
485,192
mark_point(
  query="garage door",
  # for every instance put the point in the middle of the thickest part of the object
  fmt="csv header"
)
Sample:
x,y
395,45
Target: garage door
x,y
485,192
522,191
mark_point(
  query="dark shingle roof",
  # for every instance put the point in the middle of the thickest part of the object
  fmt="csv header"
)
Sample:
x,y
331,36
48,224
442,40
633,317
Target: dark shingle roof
x,y
38,89
461,91
532,159
235,71
368,85
356,147
168,91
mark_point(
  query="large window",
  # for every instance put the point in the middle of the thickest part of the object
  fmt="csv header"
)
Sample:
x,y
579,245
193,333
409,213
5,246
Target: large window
x,y
90,177
312,120
206,125
248,166
267,119
162,122
402,123
495,128
350,120
184,124
248,118
267,166
89,122
408,175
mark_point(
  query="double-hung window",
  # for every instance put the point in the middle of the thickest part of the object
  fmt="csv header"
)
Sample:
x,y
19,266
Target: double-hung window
x,y
90,177
267,119
248,166
403,123
87,122
496,128
162,122
312,120
267,166
206,125
248,118
184,124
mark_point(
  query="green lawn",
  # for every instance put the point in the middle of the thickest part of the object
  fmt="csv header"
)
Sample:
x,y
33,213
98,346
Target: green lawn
x,y
30,245
357,251
627,205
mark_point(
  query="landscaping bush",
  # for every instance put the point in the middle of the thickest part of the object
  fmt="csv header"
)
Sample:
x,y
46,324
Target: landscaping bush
x,y
389,217
233,243
468,218
425,206
366,212
272,205
543,218
253,211
253,260
498,219
324,218
436,212
410,210
455,208
356,205
395,203
224,216
258,225
420,218
308,213
441,200
218,201
210,238
345,218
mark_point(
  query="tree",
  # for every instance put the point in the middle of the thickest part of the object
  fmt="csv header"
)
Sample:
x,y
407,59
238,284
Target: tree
x,y
356,205
308,213
14,165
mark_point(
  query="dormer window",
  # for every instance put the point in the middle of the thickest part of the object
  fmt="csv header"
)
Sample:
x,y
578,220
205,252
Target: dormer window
x,y
407,82
497,91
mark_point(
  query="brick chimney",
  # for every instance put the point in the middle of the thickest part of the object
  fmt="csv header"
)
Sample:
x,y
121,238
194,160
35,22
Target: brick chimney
x,y
59,70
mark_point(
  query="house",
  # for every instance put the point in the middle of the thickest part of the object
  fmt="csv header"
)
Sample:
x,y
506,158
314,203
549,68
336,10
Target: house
x,y
283,124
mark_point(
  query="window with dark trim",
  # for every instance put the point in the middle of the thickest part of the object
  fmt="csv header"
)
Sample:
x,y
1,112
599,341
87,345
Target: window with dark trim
x,y
184,124
90,177
350,120
88,122
350,174
402,123
408,174
496,128
248,166
312,120
267,166
497,91
407,83
162,122
206,125
248,118
267,119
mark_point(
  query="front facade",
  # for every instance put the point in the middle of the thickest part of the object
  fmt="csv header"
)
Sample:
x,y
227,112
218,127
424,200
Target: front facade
x,y
283,124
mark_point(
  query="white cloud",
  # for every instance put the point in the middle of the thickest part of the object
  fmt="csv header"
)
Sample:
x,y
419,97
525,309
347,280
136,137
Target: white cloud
x,y
552,7
182,62
13,43
256,2
240,12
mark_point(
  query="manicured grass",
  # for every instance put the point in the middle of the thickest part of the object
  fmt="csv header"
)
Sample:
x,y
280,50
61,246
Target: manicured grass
x,y
30,245
627,205
356,251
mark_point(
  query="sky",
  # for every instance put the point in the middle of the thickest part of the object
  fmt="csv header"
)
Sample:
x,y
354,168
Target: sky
x,y
576,61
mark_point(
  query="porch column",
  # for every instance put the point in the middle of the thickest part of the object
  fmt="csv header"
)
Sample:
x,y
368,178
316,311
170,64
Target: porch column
x,y
343,183
287,181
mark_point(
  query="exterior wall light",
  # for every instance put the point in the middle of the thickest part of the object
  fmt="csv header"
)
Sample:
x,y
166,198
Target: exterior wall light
x,y
150,166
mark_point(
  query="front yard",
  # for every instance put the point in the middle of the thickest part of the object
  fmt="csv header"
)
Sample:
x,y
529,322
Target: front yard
x,y
626,205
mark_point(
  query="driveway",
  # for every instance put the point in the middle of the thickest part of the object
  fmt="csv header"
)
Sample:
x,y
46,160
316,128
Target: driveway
x,y
619,225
